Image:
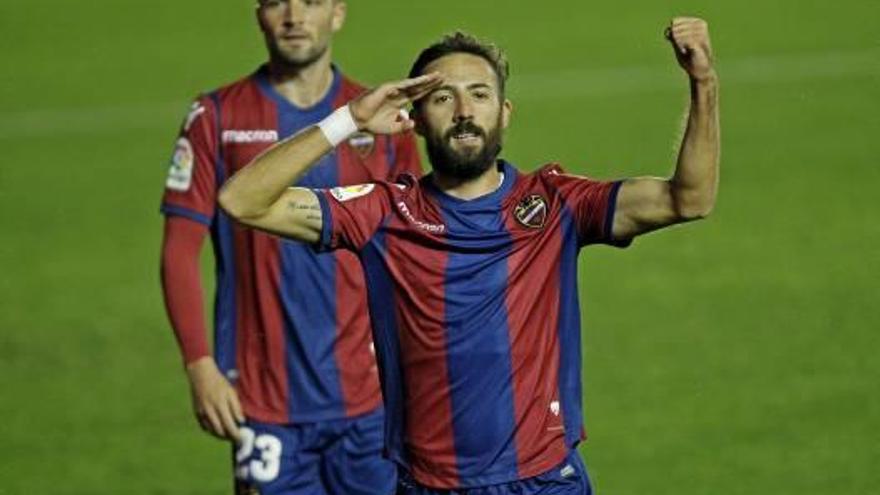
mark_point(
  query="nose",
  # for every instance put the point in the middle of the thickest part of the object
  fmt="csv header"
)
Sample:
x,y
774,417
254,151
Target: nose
x,y
294,13
463,109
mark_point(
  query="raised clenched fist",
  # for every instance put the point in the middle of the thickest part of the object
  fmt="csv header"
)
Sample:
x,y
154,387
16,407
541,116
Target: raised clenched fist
x,y
693,49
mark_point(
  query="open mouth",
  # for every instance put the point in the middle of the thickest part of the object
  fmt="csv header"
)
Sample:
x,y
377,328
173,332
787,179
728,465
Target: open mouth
x,y
465,135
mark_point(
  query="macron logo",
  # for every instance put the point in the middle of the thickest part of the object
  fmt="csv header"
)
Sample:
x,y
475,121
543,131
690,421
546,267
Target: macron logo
x,y
250,136
430,227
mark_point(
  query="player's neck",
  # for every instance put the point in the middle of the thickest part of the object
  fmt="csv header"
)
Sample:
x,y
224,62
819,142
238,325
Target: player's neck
x,y
303,86
467,190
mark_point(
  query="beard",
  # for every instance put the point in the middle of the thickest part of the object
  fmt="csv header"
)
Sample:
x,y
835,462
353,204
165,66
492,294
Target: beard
x,y
293,57
468,163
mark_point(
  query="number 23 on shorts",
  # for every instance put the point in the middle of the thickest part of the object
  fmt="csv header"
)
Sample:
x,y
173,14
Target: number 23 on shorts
x,y
258,457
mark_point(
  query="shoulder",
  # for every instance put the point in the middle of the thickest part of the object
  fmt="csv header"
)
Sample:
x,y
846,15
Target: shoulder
x,y
349,88
555,176
550,172
548,177
242,91
551,182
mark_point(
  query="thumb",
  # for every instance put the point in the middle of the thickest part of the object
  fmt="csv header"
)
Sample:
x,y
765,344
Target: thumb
x,y
680,50
403,125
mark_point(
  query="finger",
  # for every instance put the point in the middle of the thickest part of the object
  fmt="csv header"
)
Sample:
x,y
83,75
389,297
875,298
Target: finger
x,y
690,28
385,91
673,37
415,81
413,94
678,46
402,126
688,33
686,20
203,423
214,423
421,92
683,41
426,85
230,428
236,408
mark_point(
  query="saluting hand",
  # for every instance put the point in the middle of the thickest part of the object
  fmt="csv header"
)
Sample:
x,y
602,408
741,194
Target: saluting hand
x,y
383,110
690,40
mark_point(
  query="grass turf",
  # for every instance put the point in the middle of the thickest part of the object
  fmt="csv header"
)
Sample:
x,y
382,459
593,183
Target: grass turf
x,y
732,356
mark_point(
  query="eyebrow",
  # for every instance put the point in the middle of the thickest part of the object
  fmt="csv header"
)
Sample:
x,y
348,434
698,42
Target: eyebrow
x,y
448,87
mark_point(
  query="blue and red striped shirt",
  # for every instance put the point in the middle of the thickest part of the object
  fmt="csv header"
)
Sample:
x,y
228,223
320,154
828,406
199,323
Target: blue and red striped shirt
x,y
291,330
476,318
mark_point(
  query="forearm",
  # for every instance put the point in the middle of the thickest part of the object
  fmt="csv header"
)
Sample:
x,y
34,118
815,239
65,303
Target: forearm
x,y
259,185
695,182
260,195
182,287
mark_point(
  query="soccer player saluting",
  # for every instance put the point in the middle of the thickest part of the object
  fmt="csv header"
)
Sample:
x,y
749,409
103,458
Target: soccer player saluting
x,y
471,271
292,348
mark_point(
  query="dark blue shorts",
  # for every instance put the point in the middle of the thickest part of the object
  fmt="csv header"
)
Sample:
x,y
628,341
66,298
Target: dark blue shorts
x,y
568,478
326,458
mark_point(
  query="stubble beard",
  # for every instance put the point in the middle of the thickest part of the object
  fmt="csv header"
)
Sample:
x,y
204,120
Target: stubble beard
x,y
296,59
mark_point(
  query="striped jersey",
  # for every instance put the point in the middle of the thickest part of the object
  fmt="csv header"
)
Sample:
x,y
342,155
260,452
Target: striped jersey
x,y
476,318
291,328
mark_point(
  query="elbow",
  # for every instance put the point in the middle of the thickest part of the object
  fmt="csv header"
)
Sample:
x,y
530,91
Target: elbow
x,y
694,207
232,205
227,203
695,212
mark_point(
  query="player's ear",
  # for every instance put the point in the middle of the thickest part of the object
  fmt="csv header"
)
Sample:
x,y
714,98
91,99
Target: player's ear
x,y
258,13
506,112
340,10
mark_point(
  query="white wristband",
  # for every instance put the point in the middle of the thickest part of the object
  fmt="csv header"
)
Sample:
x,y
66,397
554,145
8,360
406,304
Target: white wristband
x,y
338,126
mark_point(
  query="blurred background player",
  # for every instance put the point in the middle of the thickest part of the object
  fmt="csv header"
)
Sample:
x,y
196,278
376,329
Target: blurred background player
x,y
472,269
293,361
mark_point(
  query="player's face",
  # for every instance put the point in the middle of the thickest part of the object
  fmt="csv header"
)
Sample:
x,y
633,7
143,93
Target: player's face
x,y
298,32
463,120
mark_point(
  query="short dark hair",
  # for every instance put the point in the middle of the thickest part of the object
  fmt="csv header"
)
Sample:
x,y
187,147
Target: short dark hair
x,y
461,42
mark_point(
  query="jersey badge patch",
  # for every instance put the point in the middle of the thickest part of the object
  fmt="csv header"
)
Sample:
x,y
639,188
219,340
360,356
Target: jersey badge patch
x,y
181,170
362,143
531,212
350,192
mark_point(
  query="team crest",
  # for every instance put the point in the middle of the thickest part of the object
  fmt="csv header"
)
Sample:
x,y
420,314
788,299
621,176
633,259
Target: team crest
x,y
531,212
362,143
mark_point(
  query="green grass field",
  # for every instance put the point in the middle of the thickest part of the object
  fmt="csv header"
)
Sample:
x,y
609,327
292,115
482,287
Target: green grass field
x,y
733,356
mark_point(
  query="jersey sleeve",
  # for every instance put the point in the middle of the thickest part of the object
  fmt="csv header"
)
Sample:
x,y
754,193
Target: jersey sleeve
x,y
406,157
191,186
182,285
592,202
352,215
